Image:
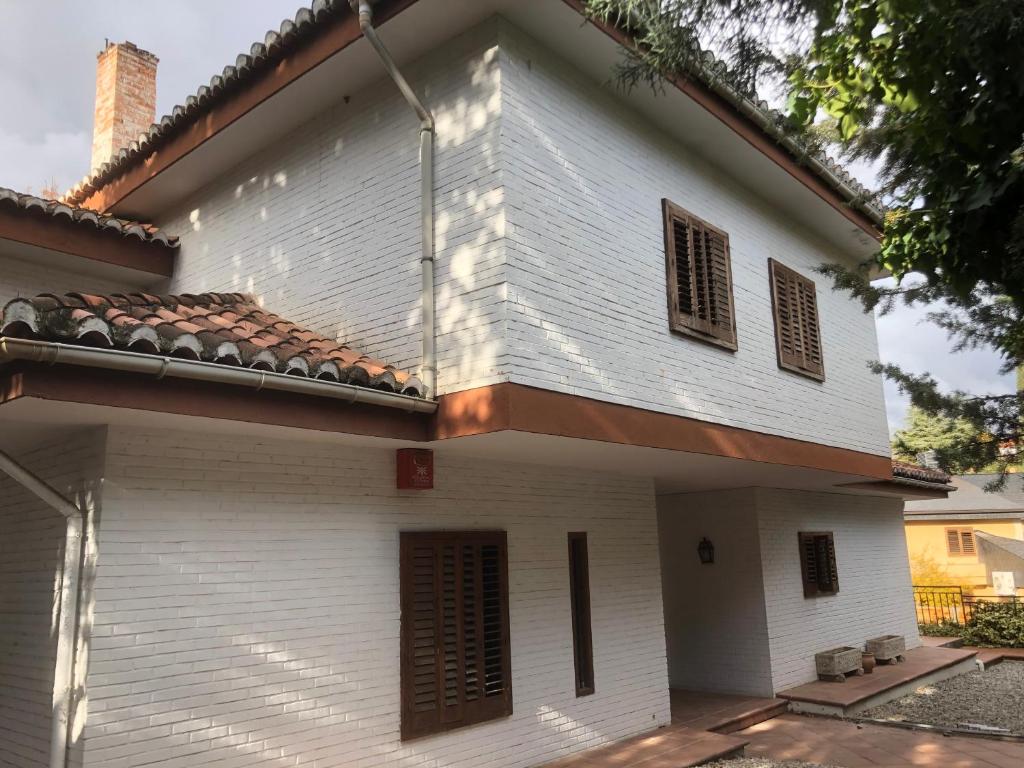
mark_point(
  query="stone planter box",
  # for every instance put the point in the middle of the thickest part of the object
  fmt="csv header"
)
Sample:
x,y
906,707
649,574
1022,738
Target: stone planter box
x,y
836,663
887,649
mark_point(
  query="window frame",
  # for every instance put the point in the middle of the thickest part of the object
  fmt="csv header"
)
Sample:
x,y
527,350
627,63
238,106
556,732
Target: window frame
x,y
684,323
812,587
484,709
960,532
777,270
582,626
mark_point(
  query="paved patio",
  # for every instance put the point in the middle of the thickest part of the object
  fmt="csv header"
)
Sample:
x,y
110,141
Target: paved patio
x,y
921,664
700,722
847,744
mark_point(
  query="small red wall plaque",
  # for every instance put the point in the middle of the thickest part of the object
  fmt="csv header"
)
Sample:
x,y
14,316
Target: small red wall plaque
x,y
415,469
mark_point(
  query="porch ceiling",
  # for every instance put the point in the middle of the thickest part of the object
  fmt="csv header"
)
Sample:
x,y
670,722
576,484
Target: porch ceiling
x,y
26,420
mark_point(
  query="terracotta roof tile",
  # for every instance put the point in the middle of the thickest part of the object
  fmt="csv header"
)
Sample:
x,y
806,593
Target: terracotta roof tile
x,y
30,204
905,471
224,328
310,22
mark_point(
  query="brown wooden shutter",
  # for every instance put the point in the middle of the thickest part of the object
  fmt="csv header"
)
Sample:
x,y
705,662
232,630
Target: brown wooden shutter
x,y
960,541
455,662
818,565
700,298
967,542
797,327
953,541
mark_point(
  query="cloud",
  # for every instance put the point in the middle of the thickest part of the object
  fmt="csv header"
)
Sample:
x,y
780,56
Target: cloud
x,y
906,338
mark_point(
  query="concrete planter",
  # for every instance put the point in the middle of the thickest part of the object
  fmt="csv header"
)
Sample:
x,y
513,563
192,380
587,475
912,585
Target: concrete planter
x,y
836,663
887,649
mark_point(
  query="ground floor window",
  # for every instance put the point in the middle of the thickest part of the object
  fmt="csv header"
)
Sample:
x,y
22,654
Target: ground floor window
x,y
579,592
818,564
455,664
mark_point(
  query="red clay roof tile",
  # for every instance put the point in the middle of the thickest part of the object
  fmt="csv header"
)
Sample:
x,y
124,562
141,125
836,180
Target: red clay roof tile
x,y
224,328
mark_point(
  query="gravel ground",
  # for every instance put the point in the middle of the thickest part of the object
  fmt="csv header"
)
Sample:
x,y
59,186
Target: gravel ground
x,y
993,698
760,762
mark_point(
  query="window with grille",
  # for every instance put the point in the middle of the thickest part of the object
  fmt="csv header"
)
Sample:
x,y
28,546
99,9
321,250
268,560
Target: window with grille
x,y
818,564
797,330
579,594
960,541
700,302
455,663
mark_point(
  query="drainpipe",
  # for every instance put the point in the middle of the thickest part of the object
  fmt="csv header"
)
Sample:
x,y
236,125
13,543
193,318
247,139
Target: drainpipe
x,y
428,373
64,668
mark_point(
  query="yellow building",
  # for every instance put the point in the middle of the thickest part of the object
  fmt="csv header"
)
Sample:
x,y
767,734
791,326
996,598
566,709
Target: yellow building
x,y
969,536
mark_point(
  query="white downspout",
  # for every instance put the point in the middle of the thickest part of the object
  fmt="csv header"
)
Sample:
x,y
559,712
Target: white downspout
x,y
67,628
428,373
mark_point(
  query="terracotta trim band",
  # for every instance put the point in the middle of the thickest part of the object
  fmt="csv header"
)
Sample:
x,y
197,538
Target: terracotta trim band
x,y
86,241
478,411
540,411
215,401
335,37
747,130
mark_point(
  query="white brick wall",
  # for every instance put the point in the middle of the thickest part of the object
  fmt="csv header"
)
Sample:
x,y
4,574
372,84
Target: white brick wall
x,y
715,625
550,262
26,278
875,596
31,559
584,179
247,606
324,225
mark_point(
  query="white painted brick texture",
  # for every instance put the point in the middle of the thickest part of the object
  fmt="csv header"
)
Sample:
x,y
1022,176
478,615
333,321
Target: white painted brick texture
x,y
584,178
247,606
875,595
323,227
31,558
26,278
715,625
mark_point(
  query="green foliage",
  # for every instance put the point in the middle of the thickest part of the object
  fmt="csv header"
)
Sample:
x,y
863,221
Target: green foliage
x,y
940,629
932,91
996,625
949,439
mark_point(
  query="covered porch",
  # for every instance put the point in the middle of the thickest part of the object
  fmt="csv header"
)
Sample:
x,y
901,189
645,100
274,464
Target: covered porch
x,y
701,728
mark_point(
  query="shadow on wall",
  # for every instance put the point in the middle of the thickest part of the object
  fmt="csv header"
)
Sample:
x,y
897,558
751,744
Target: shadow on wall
x,y
324,226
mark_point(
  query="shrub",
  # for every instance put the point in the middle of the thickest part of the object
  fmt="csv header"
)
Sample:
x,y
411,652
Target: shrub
x,y
997,625
940,629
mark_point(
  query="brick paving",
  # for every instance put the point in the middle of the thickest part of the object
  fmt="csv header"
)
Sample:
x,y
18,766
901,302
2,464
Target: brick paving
x,y
849,745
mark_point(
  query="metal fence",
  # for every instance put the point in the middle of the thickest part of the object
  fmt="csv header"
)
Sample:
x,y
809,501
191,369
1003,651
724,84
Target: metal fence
x,y
949,605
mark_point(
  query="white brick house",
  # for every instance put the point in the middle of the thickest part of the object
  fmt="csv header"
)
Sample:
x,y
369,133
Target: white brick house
x,y
237,596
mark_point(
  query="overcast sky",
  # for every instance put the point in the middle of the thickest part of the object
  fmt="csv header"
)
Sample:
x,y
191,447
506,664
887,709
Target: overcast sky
x,y
47,70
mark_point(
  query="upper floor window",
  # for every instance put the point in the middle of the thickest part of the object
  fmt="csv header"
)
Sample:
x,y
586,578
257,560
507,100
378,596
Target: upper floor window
x,y
818,564
455,660
797,330
700,302
960,541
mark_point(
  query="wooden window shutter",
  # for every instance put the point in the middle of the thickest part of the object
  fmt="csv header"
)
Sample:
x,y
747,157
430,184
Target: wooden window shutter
x,y
953,541
797,327
700,297
455,659
579,596
818,564
960,541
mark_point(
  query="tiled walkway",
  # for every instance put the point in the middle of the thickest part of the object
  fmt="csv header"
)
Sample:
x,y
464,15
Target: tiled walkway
x,y
700,722
843,743
919,662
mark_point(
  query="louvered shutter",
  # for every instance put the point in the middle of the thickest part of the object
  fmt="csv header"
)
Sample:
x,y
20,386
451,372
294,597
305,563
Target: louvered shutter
x,y
699,278
967,542
797,326
455,662
953,541
818,565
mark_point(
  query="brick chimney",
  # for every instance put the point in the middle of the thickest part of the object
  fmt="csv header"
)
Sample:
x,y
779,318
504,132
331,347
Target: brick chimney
x,y
125,98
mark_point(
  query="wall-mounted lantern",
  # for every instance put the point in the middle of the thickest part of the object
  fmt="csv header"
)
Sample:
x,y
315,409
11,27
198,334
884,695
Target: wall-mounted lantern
x,y
706,551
